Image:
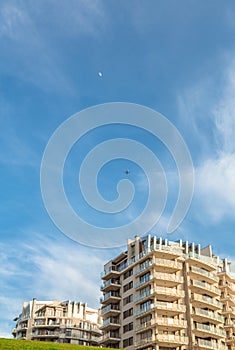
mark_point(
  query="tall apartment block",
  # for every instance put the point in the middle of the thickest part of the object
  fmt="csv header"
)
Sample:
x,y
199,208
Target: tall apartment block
x,y
161,295
56,321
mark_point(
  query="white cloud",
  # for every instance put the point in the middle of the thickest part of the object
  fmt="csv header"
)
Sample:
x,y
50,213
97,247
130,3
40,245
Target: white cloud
x,y
215,185
224,113
215,172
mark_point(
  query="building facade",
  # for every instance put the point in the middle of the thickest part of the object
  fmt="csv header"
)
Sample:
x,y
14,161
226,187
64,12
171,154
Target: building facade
x,y
160,295
56,321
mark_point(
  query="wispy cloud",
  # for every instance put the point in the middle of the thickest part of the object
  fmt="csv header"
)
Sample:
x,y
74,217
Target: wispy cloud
x,y
31,53
215,171
47,268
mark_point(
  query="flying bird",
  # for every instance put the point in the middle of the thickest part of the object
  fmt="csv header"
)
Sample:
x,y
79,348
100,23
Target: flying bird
x,y
100,74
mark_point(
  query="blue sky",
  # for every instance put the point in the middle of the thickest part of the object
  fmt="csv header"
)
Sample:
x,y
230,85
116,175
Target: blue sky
x,y
175,57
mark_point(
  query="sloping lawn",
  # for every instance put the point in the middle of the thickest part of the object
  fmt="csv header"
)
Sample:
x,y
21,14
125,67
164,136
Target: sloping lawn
x,y
13,344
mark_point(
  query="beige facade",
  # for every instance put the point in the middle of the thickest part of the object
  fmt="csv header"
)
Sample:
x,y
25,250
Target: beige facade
x,y
56,321
167,295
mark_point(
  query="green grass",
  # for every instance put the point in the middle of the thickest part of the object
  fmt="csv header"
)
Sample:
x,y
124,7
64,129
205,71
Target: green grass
x,y
13,344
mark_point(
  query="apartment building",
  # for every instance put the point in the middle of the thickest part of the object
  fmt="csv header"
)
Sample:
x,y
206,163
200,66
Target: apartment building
x,y
163,295
227,287
56,321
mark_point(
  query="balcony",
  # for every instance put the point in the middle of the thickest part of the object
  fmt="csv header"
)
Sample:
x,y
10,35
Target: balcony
x,y
164,340
168,294
112,309
166,279
171,340
111,323
110,337
22,326
145,342
229,311
171,324
167,252
199,273
110,297
144,267
111,272
162,279
169,309
207,344
229,286
80,336
167,265
145,310
202,301
44,325
111,284
202,287
202,261
204,331
146,325
142,296
228,298
202,315
46,334
162,323
143,282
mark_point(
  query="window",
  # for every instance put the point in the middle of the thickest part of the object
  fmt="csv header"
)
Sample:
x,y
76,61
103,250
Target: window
x,y
133,250
128,327
145,291
145,277
128,273
128,299
146,305
128,286
128,342
128,313
147,334
145,319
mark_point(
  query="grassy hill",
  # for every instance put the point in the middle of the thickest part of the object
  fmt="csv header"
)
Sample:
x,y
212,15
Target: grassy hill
x,y
13,344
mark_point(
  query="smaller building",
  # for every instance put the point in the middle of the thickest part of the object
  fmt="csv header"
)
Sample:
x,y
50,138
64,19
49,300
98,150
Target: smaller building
x,y
58,321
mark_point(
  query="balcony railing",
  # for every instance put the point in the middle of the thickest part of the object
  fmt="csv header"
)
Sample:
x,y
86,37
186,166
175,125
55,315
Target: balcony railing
x,y
168,263
168,277
143,281
208,300
144,266
110,294
211,329
211,344
171,338
145,309
171,322
110,307
170,291
160,276
113,335
45,333
206,259
111,320
207,286
109,282
162,338
210,314
205,273
159,290
170,306
110,269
